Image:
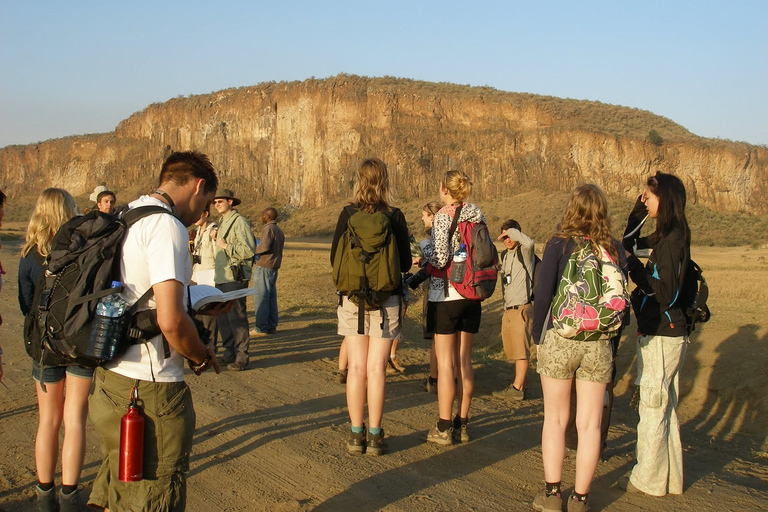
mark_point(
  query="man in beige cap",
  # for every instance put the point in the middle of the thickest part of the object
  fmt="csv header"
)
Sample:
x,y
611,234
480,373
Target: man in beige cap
x,y
235,248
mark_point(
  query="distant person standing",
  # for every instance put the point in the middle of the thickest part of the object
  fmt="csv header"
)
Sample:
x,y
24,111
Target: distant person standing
x,y
203,263
269,254
105,202
517,287
235,248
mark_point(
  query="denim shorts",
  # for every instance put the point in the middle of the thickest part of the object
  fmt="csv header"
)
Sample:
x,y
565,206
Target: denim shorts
x,y
54,374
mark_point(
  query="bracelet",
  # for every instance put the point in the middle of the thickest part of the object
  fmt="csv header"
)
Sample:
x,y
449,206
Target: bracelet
x,y
200,367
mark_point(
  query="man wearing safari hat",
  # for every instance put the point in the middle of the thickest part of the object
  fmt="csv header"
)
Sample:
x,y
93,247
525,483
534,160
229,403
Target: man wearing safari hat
x,y
235,247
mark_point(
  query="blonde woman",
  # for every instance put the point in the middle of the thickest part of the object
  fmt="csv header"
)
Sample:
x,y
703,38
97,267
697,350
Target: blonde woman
x,y
453,319
53,208
585,221
368,353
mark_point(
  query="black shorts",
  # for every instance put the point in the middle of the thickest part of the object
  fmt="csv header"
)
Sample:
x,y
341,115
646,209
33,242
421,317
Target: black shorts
x,y
453,316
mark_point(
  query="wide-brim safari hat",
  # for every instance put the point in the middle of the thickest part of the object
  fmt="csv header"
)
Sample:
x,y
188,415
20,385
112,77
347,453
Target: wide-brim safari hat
x,y
228,194
98,190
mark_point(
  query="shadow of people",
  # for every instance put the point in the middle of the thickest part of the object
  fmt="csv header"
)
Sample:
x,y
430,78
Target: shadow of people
x,y
734,416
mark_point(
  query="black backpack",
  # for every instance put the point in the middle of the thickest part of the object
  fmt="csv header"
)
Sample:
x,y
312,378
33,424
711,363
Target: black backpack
x,y
693,296
84,260
532,276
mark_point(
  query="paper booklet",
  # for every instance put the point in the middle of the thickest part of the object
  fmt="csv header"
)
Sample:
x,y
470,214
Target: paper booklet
x,y
205,297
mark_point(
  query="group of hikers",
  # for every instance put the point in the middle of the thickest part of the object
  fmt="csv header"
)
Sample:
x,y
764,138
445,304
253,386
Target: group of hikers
x,y
371,250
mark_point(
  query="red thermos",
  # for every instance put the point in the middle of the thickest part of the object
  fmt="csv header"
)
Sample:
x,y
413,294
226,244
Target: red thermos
x,y
132,443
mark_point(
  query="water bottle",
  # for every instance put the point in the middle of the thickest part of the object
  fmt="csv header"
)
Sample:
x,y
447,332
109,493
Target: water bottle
x,y
108,326
459,265
131,457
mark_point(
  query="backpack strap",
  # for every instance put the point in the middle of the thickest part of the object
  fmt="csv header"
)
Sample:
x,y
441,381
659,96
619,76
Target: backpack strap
x,y
451,231
528,279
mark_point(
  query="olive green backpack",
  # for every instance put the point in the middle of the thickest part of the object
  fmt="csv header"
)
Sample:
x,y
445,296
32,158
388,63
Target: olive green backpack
x,y
366,264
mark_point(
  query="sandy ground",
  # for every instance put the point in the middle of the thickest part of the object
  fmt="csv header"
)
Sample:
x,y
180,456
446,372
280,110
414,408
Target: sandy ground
x,y
272,437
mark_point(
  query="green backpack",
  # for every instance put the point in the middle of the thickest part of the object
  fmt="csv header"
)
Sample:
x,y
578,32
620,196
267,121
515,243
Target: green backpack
x,y
591,297
366,264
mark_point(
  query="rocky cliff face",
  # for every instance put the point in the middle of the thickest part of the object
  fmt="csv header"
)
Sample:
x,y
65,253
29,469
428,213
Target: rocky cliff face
x,y
300,143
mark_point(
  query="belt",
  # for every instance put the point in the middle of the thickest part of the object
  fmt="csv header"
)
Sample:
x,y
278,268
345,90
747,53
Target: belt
x,y
516,307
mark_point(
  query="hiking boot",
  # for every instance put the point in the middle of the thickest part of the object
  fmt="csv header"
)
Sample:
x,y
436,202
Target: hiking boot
x,y
625,484
460,434
575,505
223,361
545,503
511,393
429,385
394,366
72,502
376,444
237,366
436,436
46,500
341,376
356,442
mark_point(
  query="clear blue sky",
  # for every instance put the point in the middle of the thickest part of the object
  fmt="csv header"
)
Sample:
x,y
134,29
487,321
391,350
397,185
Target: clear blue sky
x,y
76,67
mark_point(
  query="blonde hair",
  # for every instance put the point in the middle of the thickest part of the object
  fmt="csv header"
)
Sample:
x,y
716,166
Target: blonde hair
x,y
53,208
458,185
587,216
371,192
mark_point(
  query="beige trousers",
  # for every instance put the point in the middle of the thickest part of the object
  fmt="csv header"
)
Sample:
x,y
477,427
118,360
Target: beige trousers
x,y
659,468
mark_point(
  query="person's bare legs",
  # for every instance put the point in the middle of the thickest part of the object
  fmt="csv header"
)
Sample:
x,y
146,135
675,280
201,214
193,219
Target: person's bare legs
x,y
589,413
432,360
466,383
357,366
50,406
557,407
446,386
343,355
521,370
378,355
75,414
393,350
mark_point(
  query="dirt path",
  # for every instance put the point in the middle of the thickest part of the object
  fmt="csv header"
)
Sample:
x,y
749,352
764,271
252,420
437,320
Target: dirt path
x,y
272,437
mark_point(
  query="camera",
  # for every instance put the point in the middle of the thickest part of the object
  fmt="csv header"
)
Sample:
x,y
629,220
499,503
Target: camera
x,y
196,259
414,280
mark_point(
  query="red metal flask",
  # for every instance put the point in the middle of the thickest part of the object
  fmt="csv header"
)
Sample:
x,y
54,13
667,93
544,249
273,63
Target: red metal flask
x,y
132,442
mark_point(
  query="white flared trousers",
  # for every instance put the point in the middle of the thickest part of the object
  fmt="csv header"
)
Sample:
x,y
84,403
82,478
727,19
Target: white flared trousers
x,y
659,468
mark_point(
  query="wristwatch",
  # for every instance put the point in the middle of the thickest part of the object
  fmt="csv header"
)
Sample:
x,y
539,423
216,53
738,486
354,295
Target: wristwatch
x,y
200,367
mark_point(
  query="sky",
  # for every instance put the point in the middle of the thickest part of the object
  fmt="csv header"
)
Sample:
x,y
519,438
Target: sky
x,y
69,68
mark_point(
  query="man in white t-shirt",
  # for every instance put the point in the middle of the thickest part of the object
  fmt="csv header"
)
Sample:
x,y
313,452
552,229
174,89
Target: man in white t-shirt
x,y
155,256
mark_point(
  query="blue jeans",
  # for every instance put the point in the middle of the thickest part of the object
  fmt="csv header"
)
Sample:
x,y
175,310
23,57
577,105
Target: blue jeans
x,y
264,282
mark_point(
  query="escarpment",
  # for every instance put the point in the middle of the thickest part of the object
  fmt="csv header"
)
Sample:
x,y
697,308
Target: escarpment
x,y
299,143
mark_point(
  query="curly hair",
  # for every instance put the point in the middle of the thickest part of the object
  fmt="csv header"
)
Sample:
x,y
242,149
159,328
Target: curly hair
x,y
587,216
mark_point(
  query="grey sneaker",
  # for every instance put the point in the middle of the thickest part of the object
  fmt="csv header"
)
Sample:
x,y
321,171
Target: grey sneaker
x,y
73,502
511,393
46,500
460,434
574,505
444,438
545,503
376,445
356,442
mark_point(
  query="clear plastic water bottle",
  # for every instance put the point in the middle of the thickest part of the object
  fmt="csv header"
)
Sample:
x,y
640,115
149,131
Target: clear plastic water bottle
x,y
108,325
459,264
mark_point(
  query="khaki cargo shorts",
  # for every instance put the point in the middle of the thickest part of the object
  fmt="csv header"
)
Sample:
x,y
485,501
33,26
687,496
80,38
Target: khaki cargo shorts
x,y
381,323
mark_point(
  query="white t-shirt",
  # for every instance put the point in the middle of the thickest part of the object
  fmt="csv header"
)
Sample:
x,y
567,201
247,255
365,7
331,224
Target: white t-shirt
x,y
155,250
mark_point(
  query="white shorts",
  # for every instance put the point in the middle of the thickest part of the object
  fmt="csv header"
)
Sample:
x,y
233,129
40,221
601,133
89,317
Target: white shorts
x,y
386,326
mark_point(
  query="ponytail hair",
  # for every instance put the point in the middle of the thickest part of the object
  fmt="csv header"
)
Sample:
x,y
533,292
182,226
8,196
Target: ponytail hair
x,y
458,185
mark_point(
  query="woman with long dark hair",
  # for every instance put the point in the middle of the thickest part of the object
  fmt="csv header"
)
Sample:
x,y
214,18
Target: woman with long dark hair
x,y
585,226
53,208
663,333
368,353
